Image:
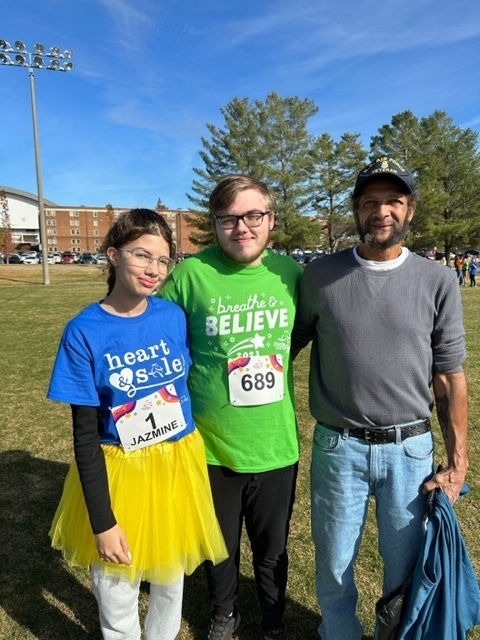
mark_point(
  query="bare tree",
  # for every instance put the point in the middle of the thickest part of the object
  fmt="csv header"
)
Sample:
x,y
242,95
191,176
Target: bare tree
x,y
6,238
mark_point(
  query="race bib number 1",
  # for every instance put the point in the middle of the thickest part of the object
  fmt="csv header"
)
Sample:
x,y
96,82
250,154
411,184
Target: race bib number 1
x,y
152,419
255,380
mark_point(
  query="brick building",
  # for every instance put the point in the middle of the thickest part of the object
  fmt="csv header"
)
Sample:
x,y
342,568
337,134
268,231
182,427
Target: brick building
x,y
78,228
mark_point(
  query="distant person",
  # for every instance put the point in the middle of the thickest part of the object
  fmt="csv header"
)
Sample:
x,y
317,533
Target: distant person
x,y
472,270
458,264
240,298
386,325
136,503
465,266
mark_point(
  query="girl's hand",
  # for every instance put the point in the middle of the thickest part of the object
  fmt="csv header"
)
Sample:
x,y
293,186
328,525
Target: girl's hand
x,y
113,547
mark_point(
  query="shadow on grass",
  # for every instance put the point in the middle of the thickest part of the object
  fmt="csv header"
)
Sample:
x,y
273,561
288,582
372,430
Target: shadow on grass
x,y
36,589
19,281
302,622
49,602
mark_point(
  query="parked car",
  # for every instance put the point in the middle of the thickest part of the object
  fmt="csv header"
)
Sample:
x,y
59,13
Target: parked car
x,y
299,257
87,258
50,258
57,256
101,258
13,259
67,257
30,257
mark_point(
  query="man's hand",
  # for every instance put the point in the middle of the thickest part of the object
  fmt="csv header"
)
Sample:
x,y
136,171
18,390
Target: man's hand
x,y
449,480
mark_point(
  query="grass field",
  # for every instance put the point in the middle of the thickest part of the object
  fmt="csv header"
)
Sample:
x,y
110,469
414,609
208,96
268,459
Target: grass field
x,y
40,597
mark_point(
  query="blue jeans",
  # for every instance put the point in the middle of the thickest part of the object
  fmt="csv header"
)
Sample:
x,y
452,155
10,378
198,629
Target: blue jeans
x,y
345,472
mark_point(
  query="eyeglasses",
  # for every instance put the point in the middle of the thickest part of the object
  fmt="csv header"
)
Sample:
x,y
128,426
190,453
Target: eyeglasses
x,y
141,258
251,219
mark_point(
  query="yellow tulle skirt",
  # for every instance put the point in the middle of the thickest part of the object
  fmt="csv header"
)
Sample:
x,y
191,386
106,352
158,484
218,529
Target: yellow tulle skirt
x,y
162,501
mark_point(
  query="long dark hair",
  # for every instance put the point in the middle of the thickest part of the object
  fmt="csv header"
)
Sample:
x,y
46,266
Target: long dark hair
x,y
132,225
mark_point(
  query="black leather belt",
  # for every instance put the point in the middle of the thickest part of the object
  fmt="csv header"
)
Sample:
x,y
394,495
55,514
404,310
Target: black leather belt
x,y
385,435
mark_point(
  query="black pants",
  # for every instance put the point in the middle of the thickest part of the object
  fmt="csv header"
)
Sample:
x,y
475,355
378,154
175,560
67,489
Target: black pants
x,y
264,501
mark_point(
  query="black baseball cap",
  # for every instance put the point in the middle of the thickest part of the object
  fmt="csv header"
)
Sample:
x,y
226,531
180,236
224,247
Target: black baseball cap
x,y
382,167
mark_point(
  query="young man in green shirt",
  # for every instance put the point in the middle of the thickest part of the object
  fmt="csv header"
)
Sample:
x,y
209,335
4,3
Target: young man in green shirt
x,y
240,300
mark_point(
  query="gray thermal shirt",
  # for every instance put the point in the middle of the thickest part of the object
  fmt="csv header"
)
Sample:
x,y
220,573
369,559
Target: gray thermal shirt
x,y
378,338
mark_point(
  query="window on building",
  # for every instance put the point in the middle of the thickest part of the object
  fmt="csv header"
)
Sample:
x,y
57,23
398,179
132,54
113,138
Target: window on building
x,y
95,214
97,241
95,231
95,223
51,223
49,212
74,214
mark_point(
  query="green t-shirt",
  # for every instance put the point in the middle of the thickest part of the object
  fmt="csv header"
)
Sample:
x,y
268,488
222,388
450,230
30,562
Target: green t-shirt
x,y
235,314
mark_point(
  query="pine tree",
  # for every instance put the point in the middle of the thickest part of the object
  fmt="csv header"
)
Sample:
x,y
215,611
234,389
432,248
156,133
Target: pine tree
x,y
445,160
268,140
335,168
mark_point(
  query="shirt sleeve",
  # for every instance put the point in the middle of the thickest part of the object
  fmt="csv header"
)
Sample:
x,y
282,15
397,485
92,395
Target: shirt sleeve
x,y
91,467
304,326
72,379
448,337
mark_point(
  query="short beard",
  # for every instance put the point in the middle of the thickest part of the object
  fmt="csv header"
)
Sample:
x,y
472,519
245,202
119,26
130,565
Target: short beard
x,y
398,235
244,260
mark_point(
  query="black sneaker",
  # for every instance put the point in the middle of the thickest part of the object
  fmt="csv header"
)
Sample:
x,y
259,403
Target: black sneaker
x,y
274,634
222,627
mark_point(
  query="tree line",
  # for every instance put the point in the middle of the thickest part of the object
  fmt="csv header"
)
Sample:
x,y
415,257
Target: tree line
x,y
313,175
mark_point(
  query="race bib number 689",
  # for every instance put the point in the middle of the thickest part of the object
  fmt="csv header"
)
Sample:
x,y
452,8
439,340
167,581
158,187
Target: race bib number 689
x,y
255,380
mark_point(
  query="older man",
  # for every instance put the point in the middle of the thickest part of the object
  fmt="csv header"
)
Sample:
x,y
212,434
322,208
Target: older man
x,y
386,326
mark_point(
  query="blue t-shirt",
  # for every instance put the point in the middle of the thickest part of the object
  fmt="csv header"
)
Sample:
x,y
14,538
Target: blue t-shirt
x,y
106,361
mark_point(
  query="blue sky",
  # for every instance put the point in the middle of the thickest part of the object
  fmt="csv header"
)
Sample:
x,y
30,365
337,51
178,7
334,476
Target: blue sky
x,y
125,125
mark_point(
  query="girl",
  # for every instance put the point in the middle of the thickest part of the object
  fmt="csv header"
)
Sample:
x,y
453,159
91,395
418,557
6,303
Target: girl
x,y
136,503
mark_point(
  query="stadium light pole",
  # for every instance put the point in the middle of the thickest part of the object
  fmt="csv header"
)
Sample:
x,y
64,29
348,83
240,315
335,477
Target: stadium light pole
x,y
55,60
